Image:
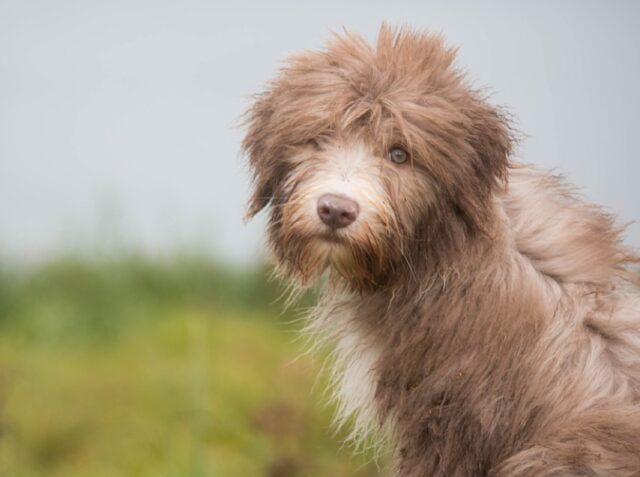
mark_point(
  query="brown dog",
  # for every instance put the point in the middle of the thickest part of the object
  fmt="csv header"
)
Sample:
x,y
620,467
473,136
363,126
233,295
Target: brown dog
x,y
482,314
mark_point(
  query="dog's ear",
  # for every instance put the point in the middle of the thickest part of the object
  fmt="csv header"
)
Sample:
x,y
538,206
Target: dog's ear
x,y
491,140
260,198
258,145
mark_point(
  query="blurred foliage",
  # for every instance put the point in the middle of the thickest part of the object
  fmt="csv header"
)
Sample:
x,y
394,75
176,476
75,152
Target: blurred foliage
x,y
95,300
139,367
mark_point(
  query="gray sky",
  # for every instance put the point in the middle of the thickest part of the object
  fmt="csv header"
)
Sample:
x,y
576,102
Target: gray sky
x,y
118,118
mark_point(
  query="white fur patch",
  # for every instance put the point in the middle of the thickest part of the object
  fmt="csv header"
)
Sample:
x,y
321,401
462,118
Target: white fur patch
x,y
349,171
355,378
353,365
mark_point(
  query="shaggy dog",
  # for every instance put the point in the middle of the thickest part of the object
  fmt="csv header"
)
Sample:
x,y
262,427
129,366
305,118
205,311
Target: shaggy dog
x,y
483,316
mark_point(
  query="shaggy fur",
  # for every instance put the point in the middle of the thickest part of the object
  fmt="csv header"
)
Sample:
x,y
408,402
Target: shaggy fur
x,y
483,316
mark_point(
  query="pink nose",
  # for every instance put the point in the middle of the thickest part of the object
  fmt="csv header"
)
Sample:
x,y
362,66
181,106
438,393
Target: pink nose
x,y
337,211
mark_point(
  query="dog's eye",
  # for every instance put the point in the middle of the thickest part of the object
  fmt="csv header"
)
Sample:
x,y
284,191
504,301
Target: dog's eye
x,y
398,155
314,143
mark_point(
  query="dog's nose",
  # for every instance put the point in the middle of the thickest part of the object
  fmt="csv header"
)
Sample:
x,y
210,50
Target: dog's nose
x,y
337,211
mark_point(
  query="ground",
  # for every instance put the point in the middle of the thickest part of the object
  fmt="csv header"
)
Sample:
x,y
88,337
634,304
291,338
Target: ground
x,y
132,368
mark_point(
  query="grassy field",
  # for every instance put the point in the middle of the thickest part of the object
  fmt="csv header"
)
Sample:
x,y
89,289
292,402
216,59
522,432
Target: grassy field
x,y
132,367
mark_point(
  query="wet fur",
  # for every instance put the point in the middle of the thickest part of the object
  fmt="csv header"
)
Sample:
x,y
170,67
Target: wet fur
x,y
484,317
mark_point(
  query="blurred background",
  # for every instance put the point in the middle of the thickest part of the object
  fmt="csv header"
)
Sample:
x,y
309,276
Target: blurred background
x,y
139,333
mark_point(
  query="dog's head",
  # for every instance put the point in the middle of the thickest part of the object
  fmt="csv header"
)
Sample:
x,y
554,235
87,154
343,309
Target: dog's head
x,y
368,156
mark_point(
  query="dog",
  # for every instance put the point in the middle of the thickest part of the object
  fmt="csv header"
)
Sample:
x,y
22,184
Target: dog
x,y
485,319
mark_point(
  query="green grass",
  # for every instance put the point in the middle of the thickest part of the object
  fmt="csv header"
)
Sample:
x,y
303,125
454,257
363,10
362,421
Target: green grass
x,y
137,368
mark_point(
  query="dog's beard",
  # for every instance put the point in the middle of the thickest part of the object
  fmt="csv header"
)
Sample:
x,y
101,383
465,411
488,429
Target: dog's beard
x,y
361,264
302,257
359,258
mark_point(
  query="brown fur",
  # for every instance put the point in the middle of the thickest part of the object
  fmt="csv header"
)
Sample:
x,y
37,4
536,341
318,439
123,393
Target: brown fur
x,y
482,314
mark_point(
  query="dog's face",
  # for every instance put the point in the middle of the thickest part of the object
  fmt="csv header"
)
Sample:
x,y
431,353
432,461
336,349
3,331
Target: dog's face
x,y
369,155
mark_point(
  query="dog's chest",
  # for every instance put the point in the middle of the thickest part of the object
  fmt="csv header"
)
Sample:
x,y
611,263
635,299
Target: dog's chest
x,y
354,369
355,378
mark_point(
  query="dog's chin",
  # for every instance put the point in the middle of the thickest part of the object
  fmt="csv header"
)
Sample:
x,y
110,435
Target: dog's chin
x,y
342,255
306,257
335,249
322,252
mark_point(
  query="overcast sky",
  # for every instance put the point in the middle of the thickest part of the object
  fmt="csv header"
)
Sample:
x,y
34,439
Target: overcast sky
x,y
118,119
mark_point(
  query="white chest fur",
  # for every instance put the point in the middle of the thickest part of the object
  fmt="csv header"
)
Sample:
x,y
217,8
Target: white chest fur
x,y
353,366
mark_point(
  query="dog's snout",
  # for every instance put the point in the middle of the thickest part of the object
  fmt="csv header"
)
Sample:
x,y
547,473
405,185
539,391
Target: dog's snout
x,y
337,211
